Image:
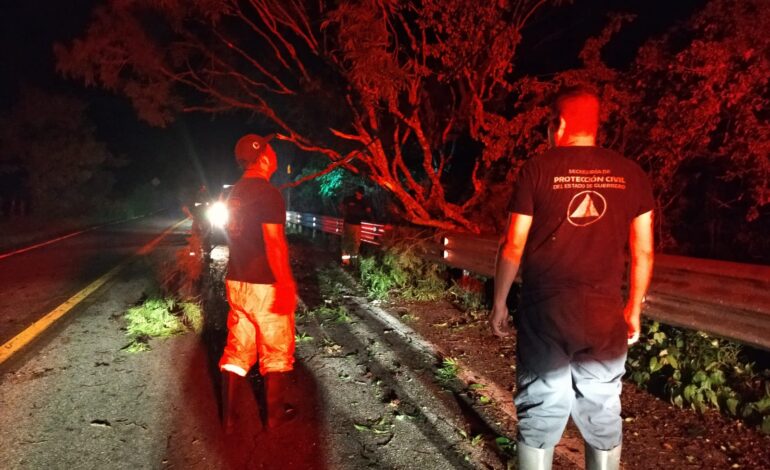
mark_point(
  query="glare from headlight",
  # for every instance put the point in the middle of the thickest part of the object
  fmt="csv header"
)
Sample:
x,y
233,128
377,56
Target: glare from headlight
x,y
218,214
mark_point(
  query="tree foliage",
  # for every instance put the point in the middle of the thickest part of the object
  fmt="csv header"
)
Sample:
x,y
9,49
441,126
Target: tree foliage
x,y
390,84
423,98
49,141
693,110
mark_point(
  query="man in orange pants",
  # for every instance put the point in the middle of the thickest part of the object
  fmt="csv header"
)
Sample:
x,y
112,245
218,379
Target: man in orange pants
x,y
260,286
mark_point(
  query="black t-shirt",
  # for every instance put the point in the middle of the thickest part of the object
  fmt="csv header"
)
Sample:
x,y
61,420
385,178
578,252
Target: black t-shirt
x,y
252,202
354,211
582,200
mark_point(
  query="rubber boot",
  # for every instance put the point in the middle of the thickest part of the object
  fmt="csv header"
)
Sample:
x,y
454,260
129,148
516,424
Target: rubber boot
x,y
278,386
602,459
229,384
532,458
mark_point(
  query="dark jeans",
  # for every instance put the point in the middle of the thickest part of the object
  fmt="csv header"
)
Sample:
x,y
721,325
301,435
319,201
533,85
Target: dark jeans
x,y
571,354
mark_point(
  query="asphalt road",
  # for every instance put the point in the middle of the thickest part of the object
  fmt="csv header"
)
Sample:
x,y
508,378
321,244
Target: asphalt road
x,y
78,399
34,282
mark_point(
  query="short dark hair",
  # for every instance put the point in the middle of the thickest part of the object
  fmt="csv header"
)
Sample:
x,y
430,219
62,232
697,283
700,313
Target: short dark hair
x,y
570,101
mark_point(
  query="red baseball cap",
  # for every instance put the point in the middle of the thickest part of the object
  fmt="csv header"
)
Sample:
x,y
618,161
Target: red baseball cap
x,y
249,148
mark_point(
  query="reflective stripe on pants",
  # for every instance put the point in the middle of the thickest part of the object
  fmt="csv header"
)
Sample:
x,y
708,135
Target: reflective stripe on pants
x,y
254,332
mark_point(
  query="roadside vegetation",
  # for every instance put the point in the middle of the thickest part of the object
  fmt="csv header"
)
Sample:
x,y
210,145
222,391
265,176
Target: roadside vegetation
x,y
173,306
448,371
160,318
689,368
702,372
400,271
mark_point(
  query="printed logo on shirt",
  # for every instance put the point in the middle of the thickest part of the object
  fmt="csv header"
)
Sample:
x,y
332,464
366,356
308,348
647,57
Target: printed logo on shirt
x,y
589,179
585,208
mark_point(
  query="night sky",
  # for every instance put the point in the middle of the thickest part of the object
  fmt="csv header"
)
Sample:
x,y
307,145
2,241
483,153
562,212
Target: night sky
x,y
29,29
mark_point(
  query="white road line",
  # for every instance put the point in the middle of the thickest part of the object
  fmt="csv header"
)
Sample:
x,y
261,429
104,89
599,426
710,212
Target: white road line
x,y
64,237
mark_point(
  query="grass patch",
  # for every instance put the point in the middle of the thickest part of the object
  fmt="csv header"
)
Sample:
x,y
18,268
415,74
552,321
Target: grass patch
x,y
137,347
408,317
507,445
448,370
401,271
303,338
380,426
337,314
484,400
192,316
160,318
467,300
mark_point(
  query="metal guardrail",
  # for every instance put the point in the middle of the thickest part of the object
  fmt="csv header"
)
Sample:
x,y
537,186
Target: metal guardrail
x,y
370,232
730,300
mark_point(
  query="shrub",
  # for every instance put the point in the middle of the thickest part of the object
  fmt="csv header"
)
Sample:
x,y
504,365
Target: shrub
x,y
469,297
401,269
694,369
448,371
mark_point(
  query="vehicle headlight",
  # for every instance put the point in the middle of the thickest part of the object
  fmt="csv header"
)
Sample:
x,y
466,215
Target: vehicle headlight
x,y
218,214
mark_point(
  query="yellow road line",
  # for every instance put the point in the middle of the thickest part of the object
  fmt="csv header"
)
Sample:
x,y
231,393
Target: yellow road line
x,y
25,337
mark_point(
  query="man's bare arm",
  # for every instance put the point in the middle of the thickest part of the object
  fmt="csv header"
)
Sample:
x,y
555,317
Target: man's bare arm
x,y
277,252
506,267
641,245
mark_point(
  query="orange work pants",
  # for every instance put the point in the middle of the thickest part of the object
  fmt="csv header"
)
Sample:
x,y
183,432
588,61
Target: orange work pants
x,y
254,332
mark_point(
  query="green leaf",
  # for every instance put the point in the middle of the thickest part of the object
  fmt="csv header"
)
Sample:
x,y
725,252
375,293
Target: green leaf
x,y
765,427
673,361
700,377
712,397
689,392
717,377
732,406
678,401
748,410
763,405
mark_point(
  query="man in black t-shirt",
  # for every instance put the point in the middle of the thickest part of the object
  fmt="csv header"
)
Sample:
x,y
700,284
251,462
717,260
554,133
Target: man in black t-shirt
x,y
573,210
354,210
259,283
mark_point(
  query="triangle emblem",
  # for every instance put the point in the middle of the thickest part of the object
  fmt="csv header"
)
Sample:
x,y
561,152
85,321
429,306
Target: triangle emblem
x,y
585,209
